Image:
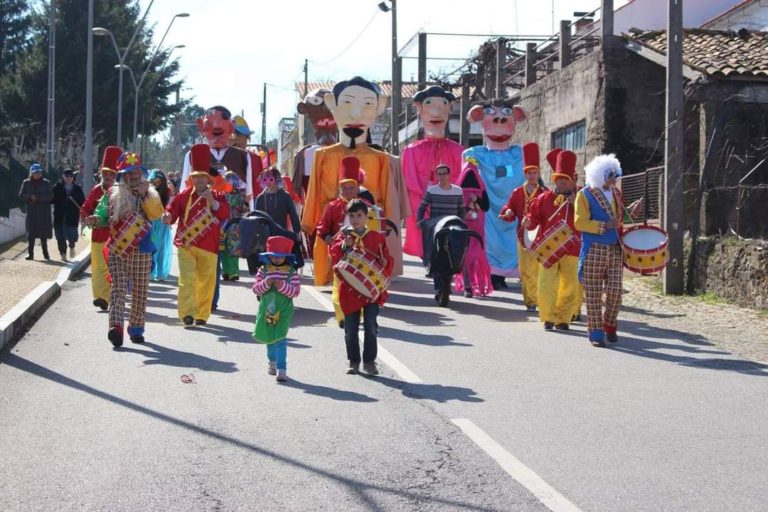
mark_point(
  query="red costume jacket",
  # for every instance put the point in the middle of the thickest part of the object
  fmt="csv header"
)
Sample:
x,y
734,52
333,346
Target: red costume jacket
x,y
519,206
540,211
209,241
98,234
375,243
333,218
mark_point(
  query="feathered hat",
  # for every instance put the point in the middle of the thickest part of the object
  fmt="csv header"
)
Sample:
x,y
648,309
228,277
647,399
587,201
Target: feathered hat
x,y
128,162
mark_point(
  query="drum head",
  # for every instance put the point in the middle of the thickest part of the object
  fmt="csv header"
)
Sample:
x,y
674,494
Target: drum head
x,y
644,239
529,235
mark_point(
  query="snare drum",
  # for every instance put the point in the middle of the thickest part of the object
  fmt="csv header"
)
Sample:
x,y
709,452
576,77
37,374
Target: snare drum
x,y
554,243
645,249
124,241
196,227
363,273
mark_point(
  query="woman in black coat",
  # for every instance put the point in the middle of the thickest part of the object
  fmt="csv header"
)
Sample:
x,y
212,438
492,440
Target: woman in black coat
x,y
37,194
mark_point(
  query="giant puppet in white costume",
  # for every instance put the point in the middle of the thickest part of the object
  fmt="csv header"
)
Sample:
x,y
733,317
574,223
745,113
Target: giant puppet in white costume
x,y
217,128
420,159
501,167
355,104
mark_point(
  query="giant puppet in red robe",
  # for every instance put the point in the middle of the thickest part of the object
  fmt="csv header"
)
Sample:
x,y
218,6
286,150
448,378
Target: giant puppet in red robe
x,y
420,158
355,104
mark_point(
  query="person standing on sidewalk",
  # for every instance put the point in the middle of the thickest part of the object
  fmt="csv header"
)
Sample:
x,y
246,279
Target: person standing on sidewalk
x,y
37,194
100,285
68,197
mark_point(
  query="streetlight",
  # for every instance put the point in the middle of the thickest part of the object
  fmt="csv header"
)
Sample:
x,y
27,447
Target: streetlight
x,y
396,87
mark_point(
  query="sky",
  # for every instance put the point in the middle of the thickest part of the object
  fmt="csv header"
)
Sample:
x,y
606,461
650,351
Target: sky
x,y
234,46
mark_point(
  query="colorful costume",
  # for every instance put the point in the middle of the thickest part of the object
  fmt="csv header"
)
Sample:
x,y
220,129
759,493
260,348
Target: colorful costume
x,y
501,167
559,291
128,214
515,211
197,239
100,285
238,207
419,159
600,259
276,304
476,276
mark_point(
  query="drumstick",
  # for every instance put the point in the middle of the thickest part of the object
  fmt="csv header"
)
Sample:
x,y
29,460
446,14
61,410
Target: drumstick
x,y
565,203
75,203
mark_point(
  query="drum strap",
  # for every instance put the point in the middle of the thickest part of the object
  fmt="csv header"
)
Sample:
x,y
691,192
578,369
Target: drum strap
x,y
529,197
602,201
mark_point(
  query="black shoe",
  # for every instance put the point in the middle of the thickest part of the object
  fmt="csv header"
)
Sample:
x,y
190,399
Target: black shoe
x,y
137,339
200,321
101,304
597,344
468,294
188,320
549,325
531,308
562,327
46,256
612,337
234,278
224,277
576,318
341,323
30,257
115,336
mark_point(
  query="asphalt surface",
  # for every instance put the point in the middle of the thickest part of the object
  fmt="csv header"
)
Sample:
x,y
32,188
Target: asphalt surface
x,y
656,423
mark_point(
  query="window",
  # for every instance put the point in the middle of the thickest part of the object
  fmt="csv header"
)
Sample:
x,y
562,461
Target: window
x,y
571,137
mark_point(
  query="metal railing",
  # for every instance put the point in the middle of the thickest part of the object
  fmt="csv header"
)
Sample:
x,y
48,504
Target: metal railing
x,y
648,186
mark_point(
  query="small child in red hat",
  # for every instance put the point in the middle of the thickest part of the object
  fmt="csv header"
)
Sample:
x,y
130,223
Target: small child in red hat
x,y
277,284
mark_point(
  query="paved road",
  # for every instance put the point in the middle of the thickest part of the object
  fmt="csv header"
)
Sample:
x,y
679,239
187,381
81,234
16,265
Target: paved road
x,y
479,409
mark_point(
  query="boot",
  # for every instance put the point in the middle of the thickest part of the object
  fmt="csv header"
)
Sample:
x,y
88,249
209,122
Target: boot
x,y
30,250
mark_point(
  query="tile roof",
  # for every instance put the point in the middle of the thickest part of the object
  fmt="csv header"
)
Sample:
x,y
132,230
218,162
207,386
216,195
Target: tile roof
x,y
721,54
409,88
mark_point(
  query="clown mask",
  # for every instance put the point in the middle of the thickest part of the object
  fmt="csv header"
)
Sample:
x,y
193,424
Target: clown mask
x,y
498,119
216,126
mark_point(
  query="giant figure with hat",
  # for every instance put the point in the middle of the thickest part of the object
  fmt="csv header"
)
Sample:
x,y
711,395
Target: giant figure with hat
x,y
500,163
100,285
239,139
420,159
200,212
355,104
128,210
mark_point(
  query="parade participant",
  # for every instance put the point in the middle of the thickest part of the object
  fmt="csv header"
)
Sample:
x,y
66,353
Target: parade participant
x,y
238,207
68,197
335,216
36,193
599,215
100,285
559,290
515,210
278,204
325,133
277,284
240,138
501,167
420,158
161,233
128,209
441,200
475,279
355,104
216,127
358,237
200,212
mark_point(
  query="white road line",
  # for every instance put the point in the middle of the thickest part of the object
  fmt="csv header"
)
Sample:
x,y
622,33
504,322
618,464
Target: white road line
x,y
545,493
385,355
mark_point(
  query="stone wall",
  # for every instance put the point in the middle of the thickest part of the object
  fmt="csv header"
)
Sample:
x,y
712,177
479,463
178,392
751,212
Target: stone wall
x,y
733,269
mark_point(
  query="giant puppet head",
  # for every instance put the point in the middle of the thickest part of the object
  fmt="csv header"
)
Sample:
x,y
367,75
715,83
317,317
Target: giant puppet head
x,y
433,105
315,109
216,126
355,105
499,118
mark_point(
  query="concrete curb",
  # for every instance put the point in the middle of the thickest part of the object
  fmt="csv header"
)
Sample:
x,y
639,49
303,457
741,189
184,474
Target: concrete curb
x,y
25,313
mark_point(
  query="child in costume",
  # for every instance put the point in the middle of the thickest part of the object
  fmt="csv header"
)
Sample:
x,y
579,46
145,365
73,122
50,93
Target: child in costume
x,y
277,284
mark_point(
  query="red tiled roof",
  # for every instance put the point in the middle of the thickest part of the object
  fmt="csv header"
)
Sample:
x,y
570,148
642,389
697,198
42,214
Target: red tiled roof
x,y
409,88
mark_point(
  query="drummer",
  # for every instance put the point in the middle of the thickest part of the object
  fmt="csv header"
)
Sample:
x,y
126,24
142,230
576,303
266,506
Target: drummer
x,y
515,210
559,291
599,211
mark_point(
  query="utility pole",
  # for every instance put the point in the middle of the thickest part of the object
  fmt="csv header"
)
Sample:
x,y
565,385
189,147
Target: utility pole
x,y
88,156
179,120
422,76
306,119
397,86
264,119
51,117
674,208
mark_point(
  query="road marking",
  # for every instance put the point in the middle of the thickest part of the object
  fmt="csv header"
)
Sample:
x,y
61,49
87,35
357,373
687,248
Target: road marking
x,y
385,355
545,493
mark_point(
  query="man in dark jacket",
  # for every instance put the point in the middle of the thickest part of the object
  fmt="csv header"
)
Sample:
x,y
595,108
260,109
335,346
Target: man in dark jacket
x,y
68,197
37,196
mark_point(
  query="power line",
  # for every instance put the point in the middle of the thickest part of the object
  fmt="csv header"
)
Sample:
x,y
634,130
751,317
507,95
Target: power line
x,y
358,36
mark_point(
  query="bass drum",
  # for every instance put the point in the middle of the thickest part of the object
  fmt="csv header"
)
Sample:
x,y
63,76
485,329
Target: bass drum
x,y
645,249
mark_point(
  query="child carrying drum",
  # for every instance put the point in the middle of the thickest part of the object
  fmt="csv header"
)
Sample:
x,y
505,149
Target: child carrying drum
x,y
370,246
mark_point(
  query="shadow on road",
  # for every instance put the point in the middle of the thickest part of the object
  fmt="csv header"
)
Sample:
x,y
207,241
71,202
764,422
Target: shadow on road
x,y
436,392
432,340
170,357
326,392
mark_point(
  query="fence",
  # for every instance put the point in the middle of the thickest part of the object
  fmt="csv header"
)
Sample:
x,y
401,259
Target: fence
x,y
646,185
12,174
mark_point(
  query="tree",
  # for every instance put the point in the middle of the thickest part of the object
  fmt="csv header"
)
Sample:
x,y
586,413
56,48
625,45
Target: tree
x,y
14,26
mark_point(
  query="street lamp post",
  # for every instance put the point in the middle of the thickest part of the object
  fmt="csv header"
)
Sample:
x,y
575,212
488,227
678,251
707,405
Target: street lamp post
x,y
396,86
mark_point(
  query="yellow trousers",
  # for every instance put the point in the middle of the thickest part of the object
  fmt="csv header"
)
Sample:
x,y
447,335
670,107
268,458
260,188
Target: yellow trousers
x,y
335,296
197,282
321,262
99,284
528,266
560,293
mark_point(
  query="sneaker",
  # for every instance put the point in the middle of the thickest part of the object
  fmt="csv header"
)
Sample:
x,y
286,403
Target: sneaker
x,y
370,368
612,337
200,321
353,369
271,369
115,336
596,343
137,339
72,254
282,376
548,326
101,304
562,327
63,256
468,294
188,320
30,257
